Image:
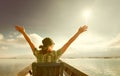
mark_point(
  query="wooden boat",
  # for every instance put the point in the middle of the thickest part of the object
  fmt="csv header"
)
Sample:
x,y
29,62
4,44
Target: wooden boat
x,y
68,70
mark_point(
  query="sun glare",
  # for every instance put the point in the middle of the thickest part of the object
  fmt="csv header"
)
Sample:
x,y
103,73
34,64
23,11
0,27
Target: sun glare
x,y
86,14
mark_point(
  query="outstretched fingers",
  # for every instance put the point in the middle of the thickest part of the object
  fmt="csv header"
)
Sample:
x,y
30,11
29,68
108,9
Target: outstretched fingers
x,y
19,28
83,28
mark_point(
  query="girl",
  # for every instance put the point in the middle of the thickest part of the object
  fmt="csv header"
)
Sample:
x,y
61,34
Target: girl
x,y
46,52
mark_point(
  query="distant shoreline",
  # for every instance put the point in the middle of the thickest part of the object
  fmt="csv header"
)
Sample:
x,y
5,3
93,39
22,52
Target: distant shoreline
x,y
71,58
17,58
94,58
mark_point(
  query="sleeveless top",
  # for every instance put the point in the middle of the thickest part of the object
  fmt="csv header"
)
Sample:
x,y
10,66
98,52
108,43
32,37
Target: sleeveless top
x,y
52,56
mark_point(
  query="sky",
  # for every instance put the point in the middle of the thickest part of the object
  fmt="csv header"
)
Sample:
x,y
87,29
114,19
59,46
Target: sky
x,y
60,20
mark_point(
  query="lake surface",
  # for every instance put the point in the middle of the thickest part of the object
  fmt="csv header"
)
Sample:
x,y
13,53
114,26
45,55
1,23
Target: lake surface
x,y
96,67
10,67
92,67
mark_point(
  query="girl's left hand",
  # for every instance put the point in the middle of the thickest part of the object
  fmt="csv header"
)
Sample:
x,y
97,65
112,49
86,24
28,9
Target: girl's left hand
x,y
83,29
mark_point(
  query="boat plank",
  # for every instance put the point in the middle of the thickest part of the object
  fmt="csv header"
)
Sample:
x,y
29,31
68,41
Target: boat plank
x,y
68,70
25,71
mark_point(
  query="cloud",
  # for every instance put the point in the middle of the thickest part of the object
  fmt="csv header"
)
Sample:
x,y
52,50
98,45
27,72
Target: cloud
x,y
95,45
4,48
11,36
90,41
87,43
1,36
17,45
20,41
36,39
115,43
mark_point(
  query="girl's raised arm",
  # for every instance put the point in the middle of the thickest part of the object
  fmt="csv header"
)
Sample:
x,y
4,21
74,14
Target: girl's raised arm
x,y
81,30
22,31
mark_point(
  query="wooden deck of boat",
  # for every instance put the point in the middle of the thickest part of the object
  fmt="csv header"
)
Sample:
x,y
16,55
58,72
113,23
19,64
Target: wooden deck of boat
x,y
68,71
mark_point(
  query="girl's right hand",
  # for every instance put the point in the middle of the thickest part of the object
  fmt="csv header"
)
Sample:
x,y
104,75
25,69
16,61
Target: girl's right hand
x,y
19,28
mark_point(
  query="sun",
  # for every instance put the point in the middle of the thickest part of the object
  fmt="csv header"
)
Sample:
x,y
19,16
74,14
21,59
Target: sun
x,y
86,15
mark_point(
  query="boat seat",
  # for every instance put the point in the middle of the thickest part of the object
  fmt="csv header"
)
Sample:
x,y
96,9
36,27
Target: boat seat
x,y
47,69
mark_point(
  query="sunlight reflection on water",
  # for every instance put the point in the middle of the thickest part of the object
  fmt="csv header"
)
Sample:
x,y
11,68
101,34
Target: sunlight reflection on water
x,y
96,67
92,67
10,67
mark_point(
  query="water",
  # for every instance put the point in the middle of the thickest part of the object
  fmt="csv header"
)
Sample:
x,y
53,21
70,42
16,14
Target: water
x,y
10,67
96,67
92,67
